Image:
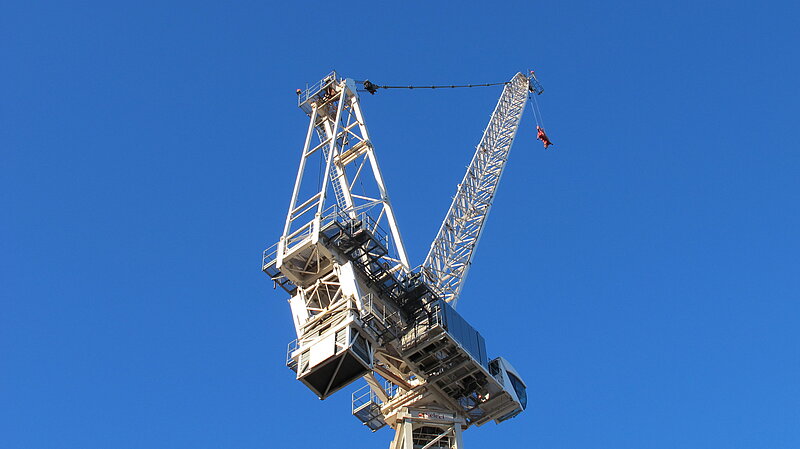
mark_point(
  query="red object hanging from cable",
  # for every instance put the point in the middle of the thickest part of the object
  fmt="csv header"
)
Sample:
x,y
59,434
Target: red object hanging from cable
x,y
542,136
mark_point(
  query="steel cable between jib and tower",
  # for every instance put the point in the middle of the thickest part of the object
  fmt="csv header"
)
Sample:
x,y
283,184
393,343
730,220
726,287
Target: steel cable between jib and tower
x,y
372,88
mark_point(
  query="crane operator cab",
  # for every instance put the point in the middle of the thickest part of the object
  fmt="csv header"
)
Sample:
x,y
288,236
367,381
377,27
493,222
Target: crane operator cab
x,y
508,377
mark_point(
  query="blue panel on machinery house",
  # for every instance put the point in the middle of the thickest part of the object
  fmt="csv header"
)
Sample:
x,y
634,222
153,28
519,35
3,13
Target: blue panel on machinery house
x,y
470,339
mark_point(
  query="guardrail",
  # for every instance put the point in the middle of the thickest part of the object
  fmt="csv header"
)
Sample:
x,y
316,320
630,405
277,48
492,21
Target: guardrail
x,y
293,346
421,323
382,319
348,221
270,254
362,396
315,88
365,395
332,213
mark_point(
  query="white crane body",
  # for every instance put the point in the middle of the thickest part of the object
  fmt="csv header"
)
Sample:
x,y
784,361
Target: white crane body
x,y
358,308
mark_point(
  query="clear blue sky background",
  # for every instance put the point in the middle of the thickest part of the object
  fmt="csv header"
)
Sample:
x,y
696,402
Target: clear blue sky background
x,y
642,274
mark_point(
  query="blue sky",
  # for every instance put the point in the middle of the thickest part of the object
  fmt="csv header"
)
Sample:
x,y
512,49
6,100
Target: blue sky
x,y
642,274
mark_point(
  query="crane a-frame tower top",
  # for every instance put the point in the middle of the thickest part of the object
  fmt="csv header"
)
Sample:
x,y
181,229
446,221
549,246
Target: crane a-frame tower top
x,y
360,310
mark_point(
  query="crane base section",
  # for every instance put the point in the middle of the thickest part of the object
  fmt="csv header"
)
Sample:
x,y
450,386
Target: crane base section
x,y
429,428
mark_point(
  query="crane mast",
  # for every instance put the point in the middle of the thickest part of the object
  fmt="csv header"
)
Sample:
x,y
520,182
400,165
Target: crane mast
x,y
452,250
359,310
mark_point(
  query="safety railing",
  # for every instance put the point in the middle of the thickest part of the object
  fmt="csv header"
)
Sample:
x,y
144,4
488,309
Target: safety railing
x,y
299,234
421,323
291,348
349,221
367,408
268,256
365,395
380,317
268,266
352,221
315,88
535,86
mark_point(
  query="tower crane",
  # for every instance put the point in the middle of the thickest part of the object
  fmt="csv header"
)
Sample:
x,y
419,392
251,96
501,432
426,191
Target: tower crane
x,y
360,310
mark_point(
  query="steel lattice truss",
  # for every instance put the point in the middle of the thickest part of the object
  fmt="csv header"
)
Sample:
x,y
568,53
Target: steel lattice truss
x,y
338,143
451,252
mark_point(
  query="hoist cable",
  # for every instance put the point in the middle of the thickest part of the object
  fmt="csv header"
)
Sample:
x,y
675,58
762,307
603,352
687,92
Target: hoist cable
x,y
537,113
535,116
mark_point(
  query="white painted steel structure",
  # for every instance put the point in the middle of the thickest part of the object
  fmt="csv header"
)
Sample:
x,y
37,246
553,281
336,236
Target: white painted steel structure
x,y
451,252
359,311
337,136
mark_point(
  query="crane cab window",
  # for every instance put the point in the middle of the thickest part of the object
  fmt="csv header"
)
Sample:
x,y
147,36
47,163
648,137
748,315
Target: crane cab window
x,y
519,388
494,368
